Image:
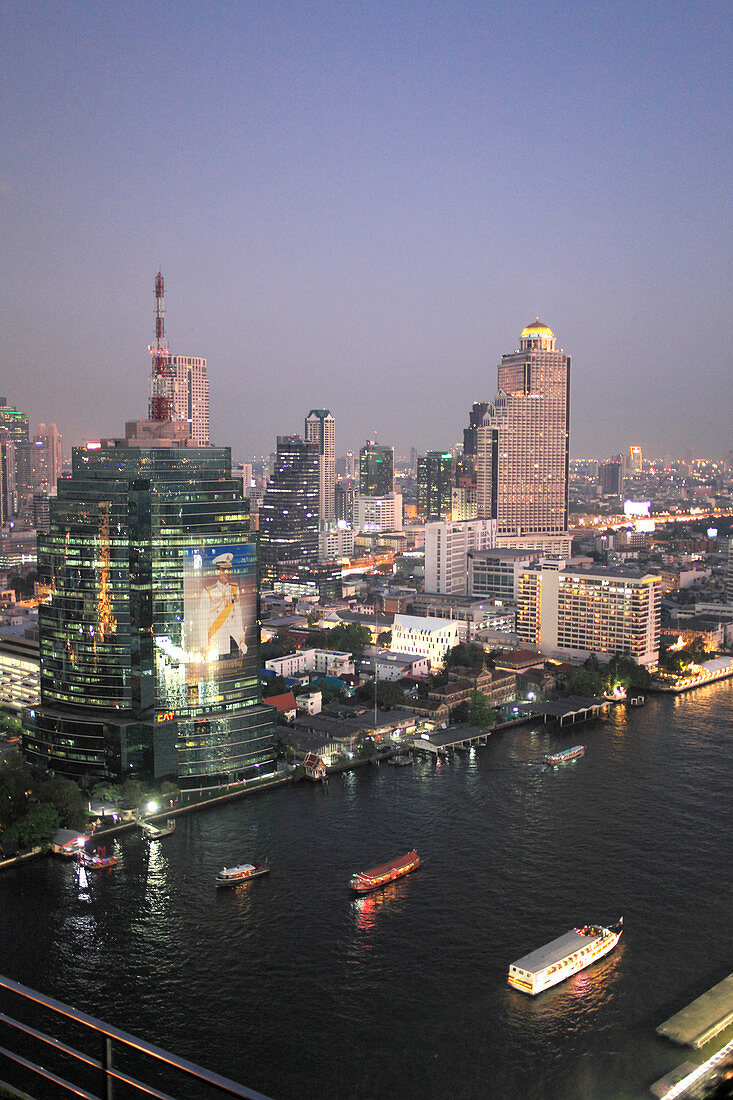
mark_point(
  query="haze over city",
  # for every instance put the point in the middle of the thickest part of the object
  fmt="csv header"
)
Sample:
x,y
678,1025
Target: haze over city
x,y
361,208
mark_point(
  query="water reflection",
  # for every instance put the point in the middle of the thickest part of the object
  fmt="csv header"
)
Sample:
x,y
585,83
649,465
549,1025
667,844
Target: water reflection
x,y
367,908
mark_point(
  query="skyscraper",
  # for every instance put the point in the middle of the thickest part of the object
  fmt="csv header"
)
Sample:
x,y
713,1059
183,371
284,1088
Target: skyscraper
x,y
523,440
434,485
376,470
288,516
191,395
320,429
149,641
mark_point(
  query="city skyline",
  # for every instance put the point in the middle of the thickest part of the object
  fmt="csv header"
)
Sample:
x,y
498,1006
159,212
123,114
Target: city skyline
x,y
359,211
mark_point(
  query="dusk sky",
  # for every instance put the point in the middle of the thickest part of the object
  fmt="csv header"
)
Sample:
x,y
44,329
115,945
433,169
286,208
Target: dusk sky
x,y
359,207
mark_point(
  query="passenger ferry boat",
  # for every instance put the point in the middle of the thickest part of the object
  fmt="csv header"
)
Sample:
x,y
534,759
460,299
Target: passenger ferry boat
x,y
243,872
364,881
565,956
556,759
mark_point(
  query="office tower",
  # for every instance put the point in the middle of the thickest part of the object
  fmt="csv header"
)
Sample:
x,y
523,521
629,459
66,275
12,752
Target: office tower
x,y
611,477
634,461
446,553
46,458
13,424
320,429
344,496
15,457
8,496
376,470
289,510
434,486
573,613
149,641
350,470
523,440
470,434
413,462
191,395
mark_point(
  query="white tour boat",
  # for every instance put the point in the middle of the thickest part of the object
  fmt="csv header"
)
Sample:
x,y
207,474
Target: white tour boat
x,y
243,872
566,955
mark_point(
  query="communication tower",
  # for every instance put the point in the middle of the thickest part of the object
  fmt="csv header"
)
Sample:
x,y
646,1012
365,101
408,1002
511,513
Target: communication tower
x,y
161,385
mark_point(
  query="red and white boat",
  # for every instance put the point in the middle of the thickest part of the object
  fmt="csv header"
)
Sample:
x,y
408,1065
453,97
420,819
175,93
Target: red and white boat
x,y
96,861
364,881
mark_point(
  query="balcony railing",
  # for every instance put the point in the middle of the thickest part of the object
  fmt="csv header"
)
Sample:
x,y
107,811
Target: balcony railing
x,y
60,1068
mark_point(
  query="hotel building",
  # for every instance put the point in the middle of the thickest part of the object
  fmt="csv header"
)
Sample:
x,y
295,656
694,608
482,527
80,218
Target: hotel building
x,y
571,613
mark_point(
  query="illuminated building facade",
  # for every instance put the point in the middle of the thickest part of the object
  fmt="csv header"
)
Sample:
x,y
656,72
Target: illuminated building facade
x,y
191,395
634,462
376,470
320,428
434,486
149,641
447,546
289,513
573,613
522,448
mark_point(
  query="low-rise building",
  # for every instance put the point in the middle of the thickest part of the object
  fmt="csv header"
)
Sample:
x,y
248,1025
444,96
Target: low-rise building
x,y
431,638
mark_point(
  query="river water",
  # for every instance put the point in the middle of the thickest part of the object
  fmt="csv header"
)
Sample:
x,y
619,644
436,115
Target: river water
x,y
295,988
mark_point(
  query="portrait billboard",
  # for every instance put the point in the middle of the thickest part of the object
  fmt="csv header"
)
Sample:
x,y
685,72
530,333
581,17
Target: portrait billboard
x,y
219,610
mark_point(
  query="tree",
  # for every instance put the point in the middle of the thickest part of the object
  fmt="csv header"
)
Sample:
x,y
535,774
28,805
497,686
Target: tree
x,y
480,712
106,792
15,786
132,793
466,655
351,638
35,827
385,639
389,694
273,685
66,798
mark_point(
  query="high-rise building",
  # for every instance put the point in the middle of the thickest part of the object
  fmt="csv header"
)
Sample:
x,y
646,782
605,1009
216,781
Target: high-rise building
x,y
446,553
46,458
634,463
376,470
8,495
149,641
523,440
575,612
289,514
191,395
611,477
320,429
14,438
372,513
13,424
434,485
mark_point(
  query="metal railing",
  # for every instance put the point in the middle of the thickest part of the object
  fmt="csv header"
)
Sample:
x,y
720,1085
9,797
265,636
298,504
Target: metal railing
x,y
103,1072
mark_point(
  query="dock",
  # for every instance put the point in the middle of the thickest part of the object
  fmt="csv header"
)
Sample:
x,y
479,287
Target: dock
x,y
568,710
154,832
440,742
703,1019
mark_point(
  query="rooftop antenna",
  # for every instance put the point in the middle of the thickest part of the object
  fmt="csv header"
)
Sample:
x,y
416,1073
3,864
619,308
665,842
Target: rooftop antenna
x,y
161,401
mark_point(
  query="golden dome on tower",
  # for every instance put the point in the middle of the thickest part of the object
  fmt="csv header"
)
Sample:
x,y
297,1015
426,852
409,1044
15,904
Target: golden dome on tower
x,y
537,329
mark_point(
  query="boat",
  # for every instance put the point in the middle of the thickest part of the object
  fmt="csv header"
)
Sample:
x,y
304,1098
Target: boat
x,y
400,760
556,759
637,701
364,881
243,872
96,861
565,956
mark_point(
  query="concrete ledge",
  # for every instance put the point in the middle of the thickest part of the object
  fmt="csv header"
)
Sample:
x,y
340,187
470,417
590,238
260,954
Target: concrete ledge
x,y
703,1019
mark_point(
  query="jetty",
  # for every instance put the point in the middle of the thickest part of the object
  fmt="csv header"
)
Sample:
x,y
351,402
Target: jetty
x,y
441,742
569,710
156,832
703,1019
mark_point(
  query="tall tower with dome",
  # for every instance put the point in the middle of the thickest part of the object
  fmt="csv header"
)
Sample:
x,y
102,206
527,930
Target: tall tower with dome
x,y
523,444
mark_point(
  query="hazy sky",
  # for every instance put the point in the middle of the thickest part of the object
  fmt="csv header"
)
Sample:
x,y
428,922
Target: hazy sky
x,y
360,205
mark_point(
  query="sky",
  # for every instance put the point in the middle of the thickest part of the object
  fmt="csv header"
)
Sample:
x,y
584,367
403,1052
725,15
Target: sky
x,y
360,206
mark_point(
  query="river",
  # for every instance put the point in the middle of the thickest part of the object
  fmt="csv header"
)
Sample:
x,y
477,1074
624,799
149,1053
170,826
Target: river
x,y
294,987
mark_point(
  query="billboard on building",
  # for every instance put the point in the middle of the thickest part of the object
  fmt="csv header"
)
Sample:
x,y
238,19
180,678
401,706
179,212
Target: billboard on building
x,y
220,616
637,507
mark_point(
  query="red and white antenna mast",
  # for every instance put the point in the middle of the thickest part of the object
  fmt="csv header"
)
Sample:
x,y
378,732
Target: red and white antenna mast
x,y
161,397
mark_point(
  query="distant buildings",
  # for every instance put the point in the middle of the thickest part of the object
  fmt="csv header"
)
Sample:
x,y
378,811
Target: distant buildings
x,y
376,470
634,463
434,486
611,477
571,612
289,512
523,440
149,641
320,429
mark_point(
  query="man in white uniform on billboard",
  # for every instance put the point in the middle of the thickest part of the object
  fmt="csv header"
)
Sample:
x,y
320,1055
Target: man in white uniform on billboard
x,y
220,612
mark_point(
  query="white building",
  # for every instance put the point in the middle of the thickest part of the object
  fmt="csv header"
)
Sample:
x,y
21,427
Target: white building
x,y
191,395
378,513
325,662
431,638
335,542
446,553
494,574
573,612
393,666
320,428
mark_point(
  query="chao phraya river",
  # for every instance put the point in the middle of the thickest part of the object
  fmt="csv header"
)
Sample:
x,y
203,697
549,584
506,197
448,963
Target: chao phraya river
x,y
296,988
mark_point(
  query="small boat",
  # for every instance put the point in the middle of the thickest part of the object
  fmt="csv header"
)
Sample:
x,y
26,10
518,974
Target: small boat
x,y
96,861
400,760
637,701
364,881
243,872
556,759
567,955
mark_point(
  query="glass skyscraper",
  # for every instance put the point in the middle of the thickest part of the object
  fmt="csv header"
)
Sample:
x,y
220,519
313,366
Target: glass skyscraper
x,y
289,513
149,641
434,485
376,470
